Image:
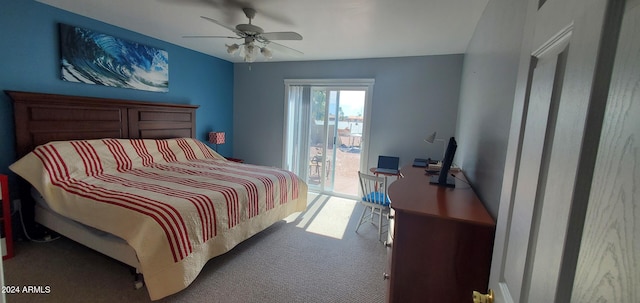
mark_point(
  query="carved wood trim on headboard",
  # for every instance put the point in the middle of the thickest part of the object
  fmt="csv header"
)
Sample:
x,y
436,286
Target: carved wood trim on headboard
x,y
41,118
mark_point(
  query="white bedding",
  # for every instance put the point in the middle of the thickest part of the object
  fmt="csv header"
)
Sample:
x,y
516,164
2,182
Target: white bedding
x,y
176,202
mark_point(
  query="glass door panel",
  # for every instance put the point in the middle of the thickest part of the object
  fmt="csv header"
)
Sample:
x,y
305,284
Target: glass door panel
x,y
330,142
317,138
349,125
335,139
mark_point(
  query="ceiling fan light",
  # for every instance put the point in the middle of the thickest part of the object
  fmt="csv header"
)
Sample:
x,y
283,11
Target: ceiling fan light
x,y
249,49
231,49
249,57
266,52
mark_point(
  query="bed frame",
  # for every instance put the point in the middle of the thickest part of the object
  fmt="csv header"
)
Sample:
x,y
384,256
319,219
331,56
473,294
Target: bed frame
x,y
41,118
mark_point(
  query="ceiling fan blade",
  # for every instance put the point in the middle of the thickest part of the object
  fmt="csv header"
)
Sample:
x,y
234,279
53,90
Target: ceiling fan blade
x,y
211,37
284,49
230,7
223,25
282,36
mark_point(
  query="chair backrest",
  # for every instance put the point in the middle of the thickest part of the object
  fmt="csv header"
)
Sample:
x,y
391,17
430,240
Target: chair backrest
x,y
316,159
374,189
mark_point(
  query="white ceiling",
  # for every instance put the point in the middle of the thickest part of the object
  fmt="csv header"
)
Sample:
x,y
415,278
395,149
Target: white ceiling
x,y
331,29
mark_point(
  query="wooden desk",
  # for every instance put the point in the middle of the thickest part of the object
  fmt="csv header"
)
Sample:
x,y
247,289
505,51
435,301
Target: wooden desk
x,y
441,241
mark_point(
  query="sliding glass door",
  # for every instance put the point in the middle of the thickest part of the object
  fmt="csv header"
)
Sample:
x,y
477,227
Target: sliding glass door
x,y
332,119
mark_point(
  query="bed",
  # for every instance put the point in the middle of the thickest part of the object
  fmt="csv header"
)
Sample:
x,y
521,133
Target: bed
x,y
129,180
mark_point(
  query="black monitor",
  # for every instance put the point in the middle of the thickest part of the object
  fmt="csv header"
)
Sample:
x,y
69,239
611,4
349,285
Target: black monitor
x,y
444,179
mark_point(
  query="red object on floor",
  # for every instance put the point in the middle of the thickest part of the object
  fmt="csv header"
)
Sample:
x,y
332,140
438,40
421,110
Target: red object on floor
x,y
5,218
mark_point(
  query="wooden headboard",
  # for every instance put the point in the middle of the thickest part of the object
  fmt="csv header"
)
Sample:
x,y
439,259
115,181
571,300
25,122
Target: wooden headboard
x,y
41,118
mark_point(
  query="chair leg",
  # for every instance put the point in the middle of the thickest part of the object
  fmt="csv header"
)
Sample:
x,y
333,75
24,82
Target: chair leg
x,y
361,217
373,211
380,225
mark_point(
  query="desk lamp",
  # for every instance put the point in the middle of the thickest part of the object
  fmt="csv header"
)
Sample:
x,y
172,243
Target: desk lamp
x,y
432,139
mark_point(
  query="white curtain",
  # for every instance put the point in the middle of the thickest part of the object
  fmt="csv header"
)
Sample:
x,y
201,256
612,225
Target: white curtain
x,y
297,129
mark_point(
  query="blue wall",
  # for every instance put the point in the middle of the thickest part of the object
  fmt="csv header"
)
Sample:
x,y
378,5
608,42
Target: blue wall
x,y
29,61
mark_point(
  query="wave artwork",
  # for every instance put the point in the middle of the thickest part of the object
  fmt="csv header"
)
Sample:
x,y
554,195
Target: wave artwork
x,y
97,58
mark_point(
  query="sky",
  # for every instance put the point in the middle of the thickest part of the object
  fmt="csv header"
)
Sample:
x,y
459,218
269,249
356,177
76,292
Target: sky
x,y
352,102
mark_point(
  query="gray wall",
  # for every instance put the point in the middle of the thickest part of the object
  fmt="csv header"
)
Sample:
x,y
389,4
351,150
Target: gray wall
x,y
487,95
412,97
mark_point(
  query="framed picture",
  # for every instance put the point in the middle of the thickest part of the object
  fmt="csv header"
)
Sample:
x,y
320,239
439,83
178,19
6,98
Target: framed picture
x,y
96,58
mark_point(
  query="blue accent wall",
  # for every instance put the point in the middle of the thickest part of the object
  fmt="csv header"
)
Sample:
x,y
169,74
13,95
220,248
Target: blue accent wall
x,y
30,61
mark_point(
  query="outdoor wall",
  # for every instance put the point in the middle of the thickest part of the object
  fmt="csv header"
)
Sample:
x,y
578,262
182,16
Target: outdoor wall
x,y
30,61
487,95
412,97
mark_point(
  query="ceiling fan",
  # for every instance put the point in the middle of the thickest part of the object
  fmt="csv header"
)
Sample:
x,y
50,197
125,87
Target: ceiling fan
x,y
254,39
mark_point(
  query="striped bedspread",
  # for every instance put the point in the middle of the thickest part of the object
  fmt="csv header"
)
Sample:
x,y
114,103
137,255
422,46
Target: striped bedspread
x,y
176,202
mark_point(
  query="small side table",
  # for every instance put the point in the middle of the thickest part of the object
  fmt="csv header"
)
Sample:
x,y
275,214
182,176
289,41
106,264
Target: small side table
x,y
398,175
235,160
5,219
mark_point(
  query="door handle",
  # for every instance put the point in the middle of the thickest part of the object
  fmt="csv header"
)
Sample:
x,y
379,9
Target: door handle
x,y
483,298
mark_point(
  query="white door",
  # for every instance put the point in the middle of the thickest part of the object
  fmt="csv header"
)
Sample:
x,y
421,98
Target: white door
x,y
608,268
556,123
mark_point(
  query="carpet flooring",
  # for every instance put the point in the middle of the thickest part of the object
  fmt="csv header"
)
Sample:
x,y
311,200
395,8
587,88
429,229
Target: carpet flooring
x,y
313,256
